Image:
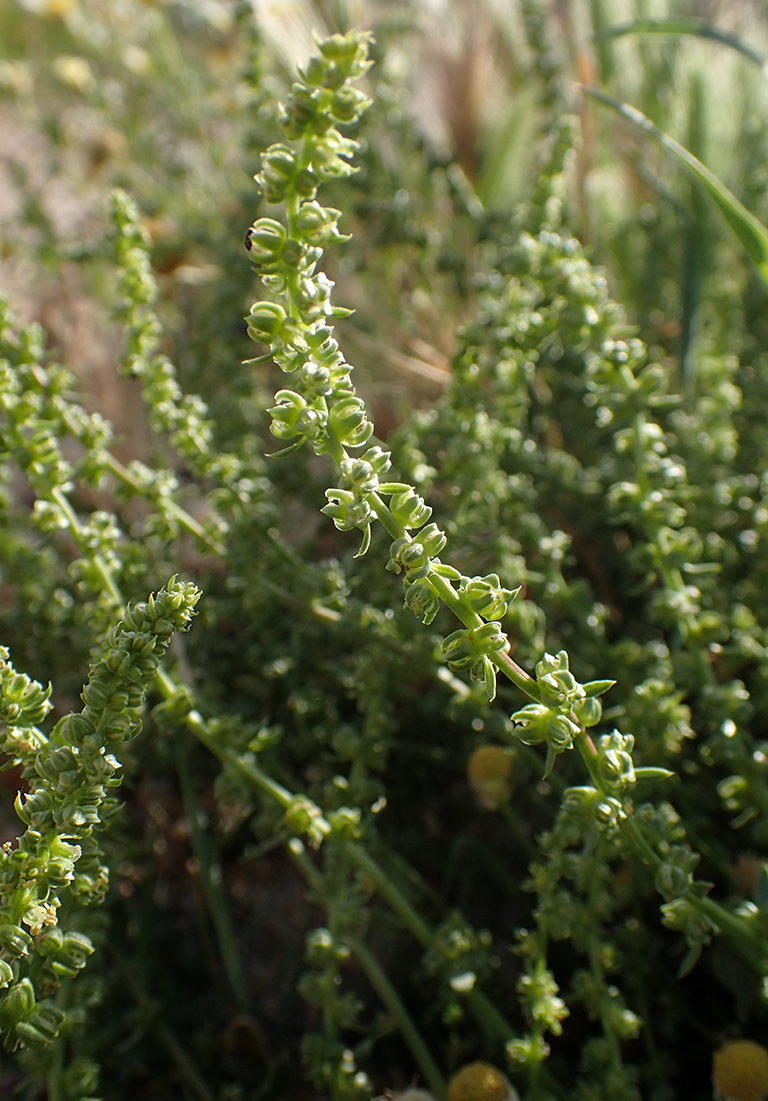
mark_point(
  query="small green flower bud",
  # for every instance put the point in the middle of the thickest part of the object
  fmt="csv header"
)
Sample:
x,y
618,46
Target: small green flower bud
x,y
432,539
349,420
457,649
278,169
313,72
395,565
316,380
349,52
302,816
379,459
559,687
302,113
319,224
579,801
345,822
486,596
409,509
421,600
265,321
18,1003
413,557
562,731
266,239
14,940
608,811
588,711
359,476
348,104
320,947
346,511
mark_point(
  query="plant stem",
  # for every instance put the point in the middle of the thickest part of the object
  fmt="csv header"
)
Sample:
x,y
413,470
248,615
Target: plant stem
x,y
391,893
481,1007
211,880
162,1033
405,1023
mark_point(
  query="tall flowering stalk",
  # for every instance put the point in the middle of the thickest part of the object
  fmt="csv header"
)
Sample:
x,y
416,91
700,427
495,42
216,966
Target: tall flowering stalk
x,y
58,865
319,406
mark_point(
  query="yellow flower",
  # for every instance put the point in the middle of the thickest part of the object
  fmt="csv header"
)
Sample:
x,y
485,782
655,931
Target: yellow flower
x,y
56,9
489,771
74,71
740,1071
15,76
479,1082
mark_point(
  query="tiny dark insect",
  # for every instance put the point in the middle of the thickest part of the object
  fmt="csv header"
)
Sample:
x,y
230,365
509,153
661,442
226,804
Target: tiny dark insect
x,y
248,242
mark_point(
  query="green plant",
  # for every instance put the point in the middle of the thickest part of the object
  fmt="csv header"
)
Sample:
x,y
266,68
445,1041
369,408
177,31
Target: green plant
x,y
606,517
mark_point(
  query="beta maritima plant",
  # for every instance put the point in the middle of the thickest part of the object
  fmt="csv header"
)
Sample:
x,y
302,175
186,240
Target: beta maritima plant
x,y
552,411
57,867
319,407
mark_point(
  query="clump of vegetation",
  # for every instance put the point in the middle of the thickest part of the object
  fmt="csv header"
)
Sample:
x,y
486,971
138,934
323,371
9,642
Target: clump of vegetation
x,y
499,831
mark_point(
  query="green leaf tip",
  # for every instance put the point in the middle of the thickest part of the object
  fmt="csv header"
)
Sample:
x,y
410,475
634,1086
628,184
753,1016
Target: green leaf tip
x,y
751,233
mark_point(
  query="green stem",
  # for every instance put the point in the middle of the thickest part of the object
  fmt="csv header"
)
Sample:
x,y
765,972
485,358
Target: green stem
x,y
749,942
512,671
392,894
54,1080
405,1023
211,880
122,473
481,1007
166,1039
242,763
588,754
483,1010
102,568
391,525
488,1016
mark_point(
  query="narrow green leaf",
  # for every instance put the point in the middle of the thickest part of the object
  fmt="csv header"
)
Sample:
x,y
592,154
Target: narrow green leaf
x,y
597,687
286,450
649,772
751,233
387,488
689,961
366,541
686,25
549,764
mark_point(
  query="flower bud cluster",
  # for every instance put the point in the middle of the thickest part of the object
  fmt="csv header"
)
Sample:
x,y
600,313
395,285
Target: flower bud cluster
x,y
472,648
183,418
565,707
459,953
69,777
321,407
417,555
29,398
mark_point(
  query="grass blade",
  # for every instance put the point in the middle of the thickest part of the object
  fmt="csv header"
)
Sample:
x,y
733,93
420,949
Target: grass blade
x,y
751,233
686,25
